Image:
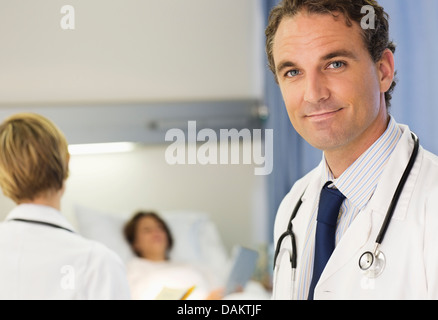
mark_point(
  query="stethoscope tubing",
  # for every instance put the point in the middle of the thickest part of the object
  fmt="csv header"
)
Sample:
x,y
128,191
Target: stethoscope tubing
x,y
289,232
398,191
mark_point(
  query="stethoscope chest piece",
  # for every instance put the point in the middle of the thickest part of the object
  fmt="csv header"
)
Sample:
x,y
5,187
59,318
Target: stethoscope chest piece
x,y
372,264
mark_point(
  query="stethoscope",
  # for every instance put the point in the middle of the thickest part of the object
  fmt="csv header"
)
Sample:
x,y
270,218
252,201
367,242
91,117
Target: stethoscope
x,y
372,262
42,223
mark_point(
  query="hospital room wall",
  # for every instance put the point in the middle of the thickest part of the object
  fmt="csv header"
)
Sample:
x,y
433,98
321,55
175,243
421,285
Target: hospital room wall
x,y
125,182
141,52
130,51
118,184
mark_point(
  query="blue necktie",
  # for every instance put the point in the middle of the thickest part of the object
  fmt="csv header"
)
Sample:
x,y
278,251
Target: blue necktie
x,y
330,202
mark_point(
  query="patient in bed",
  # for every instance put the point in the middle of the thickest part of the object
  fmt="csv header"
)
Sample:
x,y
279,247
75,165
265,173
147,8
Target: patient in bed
x,y
152,270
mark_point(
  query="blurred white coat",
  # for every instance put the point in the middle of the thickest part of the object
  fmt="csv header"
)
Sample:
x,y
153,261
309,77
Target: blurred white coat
x,y
40,261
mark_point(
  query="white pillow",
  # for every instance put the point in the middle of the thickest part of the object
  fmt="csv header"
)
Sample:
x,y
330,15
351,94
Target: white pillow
x,y
104,228
196,238
197,241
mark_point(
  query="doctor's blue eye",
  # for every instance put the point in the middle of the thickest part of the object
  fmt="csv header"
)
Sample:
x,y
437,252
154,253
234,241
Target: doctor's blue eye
x,y
292,73
336,65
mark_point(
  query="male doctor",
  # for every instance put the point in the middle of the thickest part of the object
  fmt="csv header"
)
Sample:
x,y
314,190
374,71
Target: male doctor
x,y
336,75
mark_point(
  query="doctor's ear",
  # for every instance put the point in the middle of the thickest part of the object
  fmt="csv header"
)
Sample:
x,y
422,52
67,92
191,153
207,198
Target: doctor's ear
x,y
386,70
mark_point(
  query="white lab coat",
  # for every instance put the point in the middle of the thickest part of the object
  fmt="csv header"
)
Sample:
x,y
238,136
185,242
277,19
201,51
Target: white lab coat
x,y
410,245
44,262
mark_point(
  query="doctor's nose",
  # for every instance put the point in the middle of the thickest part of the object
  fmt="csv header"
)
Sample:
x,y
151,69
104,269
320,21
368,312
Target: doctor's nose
x,y
315,90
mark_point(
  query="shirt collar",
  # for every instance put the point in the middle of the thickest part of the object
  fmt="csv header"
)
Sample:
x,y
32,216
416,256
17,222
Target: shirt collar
x,y
359,181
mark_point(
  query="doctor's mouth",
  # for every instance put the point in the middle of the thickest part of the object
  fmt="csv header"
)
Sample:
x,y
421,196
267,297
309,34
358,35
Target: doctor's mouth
x,y
323,115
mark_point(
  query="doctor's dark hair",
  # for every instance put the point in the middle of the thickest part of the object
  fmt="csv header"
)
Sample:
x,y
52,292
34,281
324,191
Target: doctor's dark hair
x,y
33,157
130,230
376,40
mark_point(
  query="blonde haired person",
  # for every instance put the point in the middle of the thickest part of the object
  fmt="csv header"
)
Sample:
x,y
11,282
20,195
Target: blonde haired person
x,y
42,256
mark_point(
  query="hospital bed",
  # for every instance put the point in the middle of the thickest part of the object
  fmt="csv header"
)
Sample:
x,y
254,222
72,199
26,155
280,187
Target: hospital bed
x,y
197,241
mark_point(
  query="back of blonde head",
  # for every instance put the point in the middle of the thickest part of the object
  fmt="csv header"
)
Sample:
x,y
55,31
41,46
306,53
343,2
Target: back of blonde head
x,y
33,157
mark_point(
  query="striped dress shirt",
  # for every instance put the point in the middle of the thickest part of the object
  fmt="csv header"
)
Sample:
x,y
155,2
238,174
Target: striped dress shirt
x,y
357,184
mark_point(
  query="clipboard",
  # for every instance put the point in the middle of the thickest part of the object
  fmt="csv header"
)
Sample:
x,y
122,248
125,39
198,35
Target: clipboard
x,y
242,268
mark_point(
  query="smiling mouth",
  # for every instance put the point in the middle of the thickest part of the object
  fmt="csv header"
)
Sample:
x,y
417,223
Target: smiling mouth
x,y
323,115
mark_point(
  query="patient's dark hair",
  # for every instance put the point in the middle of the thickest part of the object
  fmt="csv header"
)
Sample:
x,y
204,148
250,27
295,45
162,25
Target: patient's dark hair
x,y
130,229
376,40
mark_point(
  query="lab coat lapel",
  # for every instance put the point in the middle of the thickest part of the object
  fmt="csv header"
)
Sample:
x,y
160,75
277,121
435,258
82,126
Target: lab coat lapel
x,y
310,200
350,245
314,188
392,175
306,216
365,224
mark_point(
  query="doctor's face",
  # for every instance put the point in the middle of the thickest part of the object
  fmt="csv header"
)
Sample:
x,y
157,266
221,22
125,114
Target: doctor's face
x,y
332,89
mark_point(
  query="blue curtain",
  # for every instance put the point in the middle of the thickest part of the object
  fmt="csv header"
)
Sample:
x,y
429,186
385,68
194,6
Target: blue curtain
x,y
414,28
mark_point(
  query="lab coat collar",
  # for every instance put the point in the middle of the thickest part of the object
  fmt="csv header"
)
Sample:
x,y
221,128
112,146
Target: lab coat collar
x,y
315,184
388,181
40,213
392,175
356,176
